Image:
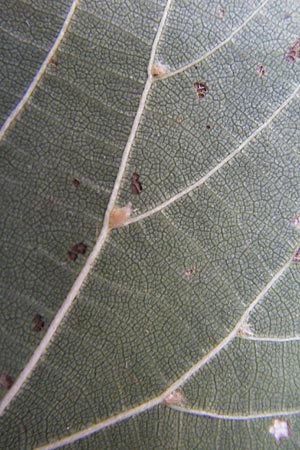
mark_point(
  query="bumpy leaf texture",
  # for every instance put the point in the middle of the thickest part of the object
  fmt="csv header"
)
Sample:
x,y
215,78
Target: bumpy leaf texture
x,y
172,323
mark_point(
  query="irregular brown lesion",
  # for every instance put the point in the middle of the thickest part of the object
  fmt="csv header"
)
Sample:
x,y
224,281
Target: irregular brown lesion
x,y
201,89
190,272
261,70
77,249
53,63
296,257
158,70
76,183
294,51
6,381
136,185
38,323
119,216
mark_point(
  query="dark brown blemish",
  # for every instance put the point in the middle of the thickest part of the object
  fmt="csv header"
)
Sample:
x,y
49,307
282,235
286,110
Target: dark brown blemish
x,y
38,323
6,381
76,183
293,52
54,63
75,250
136,186
261,70
208,127
201,89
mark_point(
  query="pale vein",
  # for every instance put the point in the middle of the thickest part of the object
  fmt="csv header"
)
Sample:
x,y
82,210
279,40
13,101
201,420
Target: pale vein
x,y
271,339
219,166
44,344
22,103
178,383
220,45
254,416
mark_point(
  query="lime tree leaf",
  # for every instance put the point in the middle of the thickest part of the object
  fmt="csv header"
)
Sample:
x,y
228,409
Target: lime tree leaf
x,y
149,222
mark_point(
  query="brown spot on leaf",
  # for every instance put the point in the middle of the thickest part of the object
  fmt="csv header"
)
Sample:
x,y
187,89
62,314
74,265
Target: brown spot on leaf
x,y
189,272
296,257
76,183
77,249
72,256
81,248
158,70
6,381
260,70
38,323
201,89
53,63
119,216
294,51
136,186
175,398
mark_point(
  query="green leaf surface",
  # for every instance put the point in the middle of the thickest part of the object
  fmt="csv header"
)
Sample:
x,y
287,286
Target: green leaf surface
x,y
180,328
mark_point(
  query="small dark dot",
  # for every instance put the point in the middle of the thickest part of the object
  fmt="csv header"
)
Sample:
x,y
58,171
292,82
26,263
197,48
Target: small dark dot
x,y
38,323
6,381
261,70
293,52
76,183
53,63
208,127
77,249
136,185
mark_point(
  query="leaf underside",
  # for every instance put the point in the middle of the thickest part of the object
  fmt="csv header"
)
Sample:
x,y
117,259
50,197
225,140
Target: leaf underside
x,y
199,292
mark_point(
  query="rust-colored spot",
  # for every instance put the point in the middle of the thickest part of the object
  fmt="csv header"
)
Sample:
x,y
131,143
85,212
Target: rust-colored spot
x,y
38,323
175,398
119,216
178,121
260,70
77,249
136,186
53,63
76,183
6,381
296,257
201,89
293,52
159,70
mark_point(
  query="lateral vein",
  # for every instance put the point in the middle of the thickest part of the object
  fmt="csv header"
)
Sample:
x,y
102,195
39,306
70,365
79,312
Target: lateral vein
x,y
22,103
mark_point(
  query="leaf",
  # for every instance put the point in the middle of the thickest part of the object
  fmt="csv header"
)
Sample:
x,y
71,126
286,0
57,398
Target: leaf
x,y
179,328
